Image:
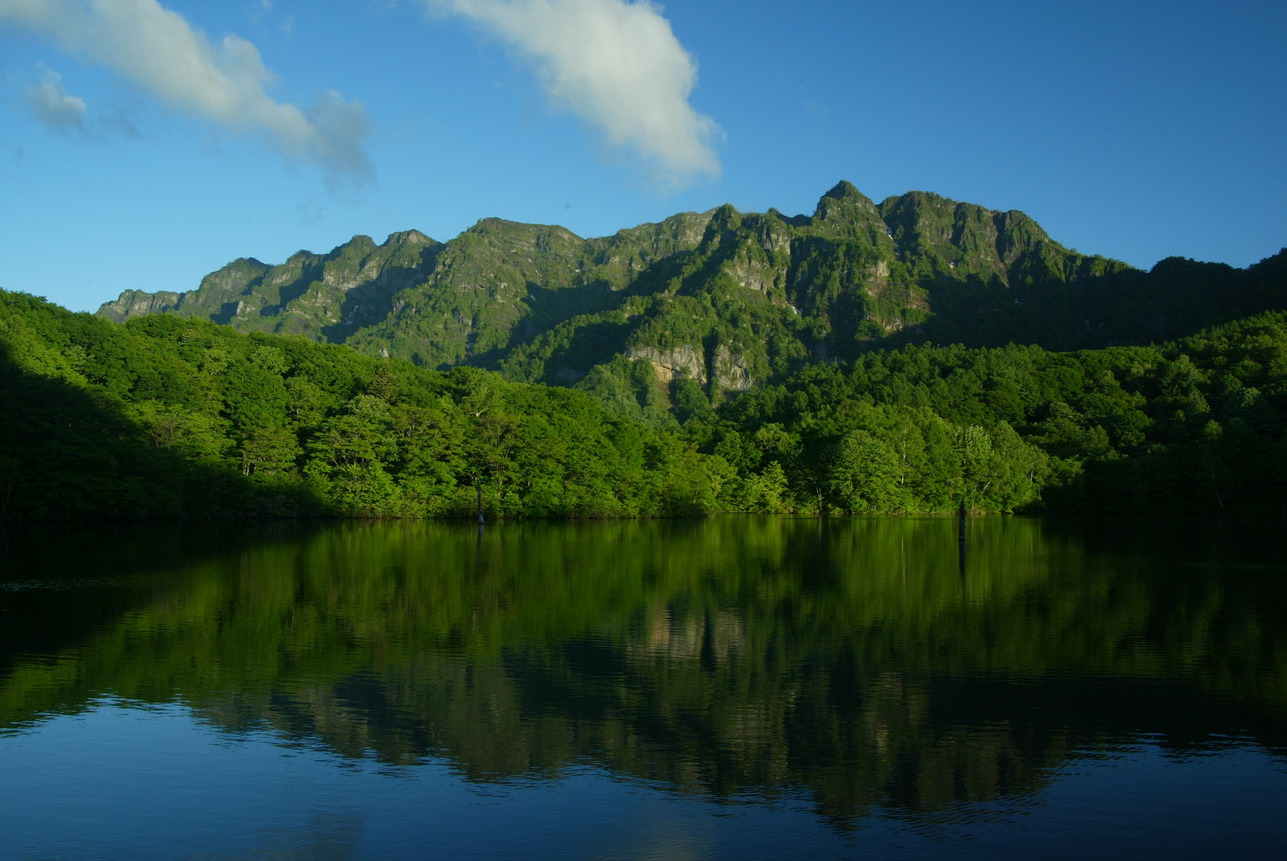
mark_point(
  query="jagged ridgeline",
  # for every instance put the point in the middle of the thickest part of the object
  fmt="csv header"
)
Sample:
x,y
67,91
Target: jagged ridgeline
x,y
701,304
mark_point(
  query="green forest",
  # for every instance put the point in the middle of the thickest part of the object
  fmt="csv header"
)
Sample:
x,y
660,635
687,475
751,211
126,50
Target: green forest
x,y
166,416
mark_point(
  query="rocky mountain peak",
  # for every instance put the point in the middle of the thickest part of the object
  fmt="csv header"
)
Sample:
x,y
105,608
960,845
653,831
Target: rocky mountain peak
x,y
843,200
408,237
844,211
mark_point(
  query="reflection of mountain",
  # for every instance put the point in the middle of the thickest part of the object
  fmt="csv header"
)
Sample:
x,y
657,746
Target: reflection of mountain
x,y
844,658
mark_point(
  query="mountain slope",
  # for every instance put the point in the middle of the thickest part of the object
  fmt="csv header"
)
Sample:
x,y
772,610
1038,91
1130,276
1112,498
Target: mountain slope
x,y
322,296
716,301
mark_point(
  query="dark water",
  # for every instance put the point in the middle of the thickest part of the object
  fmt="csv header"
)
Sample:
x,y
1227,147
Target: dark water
x,y
740,688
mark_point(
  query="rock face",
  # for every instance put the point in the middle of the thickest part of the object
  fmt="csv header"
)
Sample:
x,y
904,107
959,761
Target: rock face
x,y
723,370
670,365
725,299
136,303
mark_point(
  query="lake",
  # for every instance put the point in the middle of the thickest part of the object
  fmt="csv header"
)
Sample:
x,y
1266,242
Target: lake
x,y
724,688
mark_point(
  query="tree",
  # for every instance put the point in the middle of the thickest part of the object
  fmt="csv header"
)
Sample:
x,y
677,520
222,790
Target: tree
x,y
974,448
865,477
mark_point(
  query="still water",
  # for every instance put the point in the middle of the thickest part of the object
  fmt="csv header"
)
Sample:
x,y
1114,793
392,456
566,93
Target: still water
x,y
730,688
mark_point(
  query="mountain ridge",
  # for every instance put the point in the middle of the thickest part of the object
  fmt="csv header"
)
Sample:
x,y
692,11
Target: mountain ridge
x,y
721,300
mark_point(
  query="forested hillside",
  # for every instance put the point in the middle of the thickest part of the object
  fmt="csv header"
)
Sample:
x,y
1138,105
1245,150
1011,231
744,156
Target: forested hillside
x,y
1194,425
165,416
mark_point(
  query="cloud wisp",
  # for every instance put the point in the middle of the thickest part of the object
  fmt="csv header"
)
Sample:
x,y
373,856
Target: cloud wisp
x,y
224,82
616,65
54,106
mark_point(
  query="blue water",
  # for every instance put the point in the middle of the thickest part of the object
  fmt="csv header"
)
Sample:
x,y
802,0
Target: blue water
x,y
726,690
126,780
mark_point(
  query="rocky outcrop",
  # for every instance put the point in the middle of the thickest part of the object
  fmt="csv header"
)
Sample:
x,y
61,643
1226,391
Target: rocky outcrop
x,y
136,303
731,372
669,364
728,371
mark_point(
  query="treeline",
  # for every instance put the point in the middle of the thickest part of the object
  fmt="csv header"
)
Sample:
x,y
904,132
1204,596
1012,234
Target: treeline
x,y
166,416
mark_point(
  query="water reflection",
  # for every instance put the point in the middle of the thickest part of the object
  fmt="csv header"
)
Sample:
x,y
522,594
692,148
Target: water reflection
x,y
862,664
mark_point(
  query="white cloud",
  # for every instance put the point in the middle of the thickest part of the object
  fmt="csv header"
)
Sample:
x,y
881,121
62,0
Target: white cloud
x,y
224,82
53,106
615,64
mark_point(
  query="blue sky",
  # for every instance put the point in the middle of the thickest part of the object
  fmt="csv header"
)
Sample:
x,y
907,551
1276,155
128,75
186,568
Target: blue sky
x,y
144,144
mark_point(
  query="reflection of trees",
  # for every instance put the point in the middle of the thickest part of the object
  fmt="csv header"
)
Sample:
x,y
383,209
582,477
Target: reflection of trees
x,y
848,659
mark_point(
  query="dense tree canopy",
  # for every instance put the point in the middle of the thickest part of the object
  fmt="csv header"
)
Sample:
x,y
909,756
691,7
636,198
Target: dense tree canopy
x,y
1194,425
169,416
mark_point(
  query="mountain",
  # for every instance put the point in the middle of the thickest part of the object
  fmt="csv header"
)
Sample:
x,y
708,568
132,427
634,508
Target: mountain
x,y
324,297
703,303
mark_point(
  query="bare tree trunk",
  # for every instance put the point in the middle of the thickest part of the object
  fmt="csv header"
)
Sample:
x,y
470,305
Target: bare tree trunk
x,y
1215,484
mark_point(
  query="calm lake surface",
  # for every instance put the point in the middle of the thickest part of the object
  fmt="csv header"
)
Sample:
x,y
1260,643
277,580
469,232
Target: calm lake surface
x,y
729,688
